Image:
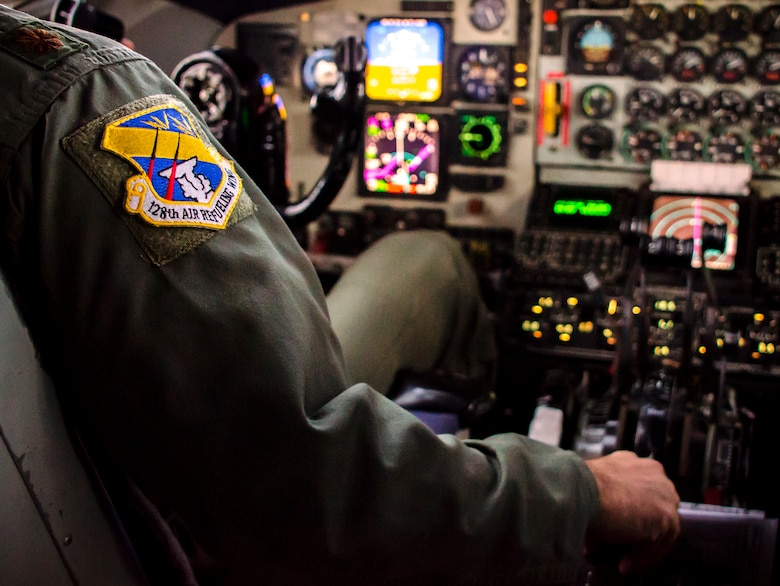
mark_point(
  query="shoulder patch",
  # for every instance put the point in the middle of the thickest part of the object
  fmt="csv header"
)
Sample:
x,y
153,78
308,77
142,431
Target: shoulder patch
x,y
156,166
39,44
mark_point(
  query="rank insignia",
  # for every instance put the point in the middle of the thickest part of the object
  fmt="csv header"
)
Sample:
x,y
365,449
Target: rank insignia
x,y
181,180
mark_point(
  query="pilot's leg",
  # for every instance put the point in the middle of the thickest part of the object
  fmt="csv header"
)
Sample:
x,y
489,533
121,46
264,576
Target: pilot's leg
x,y
411,301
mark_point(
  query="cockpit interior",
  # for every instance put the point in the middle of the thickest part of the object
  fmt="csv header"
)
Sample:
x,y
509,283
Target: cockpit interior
x,y
611,169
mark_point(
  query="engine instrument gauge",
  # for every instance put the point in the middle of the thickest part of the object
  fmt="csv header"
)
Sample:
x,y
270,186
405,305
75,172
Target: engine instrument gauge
x,y
683,145
767,67
648,21
594,141
481,137
641,144
767,24
596,46
763,151
686,105
597,101
730,65
727,107
487,15
732,22
725,146
688,64
645,104
645,62
764,108
691,22
483,74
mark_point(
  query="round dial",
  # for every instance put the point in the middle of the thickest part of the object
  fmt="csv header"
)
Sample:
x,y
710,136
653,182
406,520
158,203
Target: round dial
x,y
726,107
642,145
649,21
597,48
594,141
487,15
597,101
767,67
767,24
480,138
684,145
764,108
764,151
732,22
730,65
645,104
646,62
725,147
319,70
482,74
688,64
691,22
686,105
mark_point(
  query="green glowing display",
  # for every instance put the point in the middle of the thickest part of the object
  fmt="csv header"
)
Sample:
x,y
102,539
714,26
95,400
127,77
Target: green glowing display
x,y
592,208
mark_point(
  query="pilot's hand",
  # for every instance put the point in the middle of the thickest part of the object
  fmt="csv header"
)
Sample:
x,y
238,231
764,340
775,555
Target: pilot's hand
x,y
638,510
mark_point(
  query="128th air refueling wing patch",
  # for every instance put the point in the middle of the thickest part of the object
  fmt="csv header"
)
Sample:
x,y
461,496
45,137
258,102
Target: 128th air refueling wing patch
x,y
155,164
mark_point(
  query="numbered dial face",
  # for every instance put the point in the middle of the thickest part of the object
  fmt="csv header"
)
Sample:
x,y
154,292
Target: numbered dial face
x,y
764,151
483,74
730,65
646,62
645,104
597,47
649,21
726,147
767,67
212,87
594,141
691,22
732,22
688,64
642,145
487,15
597,101
767,24
765,108
684,145
481,139
686,105
727,107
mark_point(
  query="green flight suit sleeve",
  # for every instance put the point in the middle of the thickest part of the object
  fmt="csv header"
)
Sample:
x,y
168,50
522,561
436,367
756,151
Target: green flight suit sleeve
x,y
211,374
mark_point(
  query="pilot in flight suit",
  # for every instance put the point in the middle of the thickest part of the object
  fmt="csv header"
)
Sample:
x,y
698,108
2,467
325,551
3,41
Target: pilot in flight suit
x,y
187,330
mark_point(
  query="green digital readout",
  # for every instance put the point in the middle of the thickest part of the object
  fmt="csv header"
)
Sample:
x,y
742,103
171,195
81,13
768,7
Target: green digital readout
x,y
591,208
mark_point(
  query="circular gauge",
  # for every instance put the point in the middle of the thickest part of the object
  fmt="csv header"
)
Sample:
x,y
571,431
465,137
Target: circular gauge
x,y
730,65
645,62
686,105
732,22
691,22
642,145
481,138
767,24
683,145
482,74
763,151
645,104
767,67
213,88
688,64
726,107
594,141
597,47
597,101
319,70
487,15
648,21
401,153
725,147
764,108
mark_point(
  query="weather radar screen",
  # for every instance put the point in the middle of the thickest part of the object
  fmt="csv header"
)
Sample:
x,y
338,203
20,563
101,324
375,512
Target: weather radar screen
x,y
404,59
401,155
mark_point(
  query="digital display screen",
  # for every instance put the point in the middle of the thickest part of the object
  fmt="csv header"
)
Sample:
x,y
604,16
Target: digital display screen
x,y
700,231
404,59
582,208
482,137
402,155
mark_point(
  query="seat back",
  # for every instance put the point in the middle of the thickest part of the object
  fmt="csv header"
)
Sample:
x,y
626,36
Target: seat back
x,y
57,526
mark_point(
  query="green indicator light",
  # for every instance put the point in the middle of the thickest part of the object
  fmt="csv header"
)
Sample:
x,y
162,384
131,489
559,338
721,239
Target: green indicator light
x,y
593,208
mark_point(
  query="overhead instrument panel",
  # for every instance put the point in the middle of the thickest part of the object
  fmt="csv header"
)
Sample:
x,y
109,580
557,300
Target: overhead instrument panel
x,y
623,85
